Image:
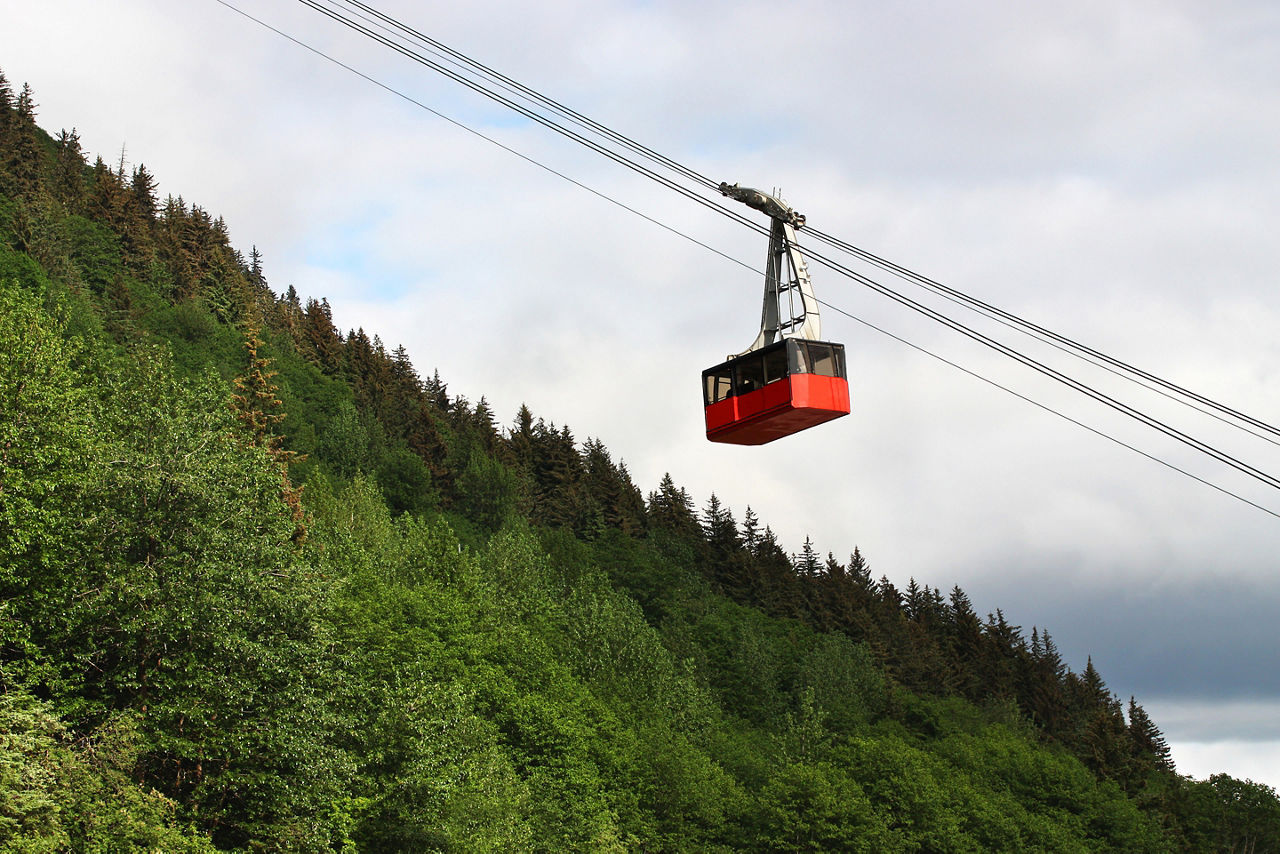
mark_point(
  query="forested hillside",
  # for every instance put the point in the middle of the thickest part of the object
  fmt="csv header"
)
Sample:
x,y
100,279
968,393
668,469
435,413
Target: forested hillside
x,y
265,586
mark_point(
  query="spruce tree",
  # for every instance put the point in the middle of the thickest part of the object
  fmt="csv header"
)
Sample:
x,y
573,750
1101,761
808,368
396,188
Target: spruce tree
x,y
913,603
519,438
630,504
750,531
21,157
6,101
256,276
860,571
1149,745
807,563
137,219
720,530
68,185
258,409
321,342
609,487
670,510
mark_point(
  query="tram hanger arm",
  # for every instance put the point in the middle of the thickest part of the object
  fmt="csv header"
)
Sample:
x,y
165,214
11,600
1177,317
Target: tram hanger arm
x,y
786,273
763,202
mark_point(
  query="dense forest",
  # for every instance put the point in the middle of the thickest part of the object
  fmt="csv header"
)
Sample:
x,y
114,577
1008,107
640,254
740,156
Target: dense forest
x,y
264,586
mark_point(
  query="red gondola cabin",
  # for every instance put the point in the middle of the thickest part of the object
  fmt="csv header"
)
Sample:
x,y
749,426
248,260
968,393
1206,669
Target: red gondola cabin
x,y
775,391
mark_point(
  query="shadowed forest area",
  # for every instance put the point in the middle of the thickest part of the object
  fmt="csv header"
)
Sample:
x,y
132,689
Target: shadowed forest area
x,y
266,586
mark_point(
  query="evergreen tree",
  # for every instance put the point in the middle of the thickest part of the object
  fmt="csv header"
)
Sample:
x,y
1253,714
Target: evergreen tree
x,y
136,213
1003,648
258,409
720,531
258,279
1044,692
520,440
775,587
1149,746
965,644
20,156
286,312
630,508
888,595
364,369
68,184
321,342
807,563
750,531
914,603
6,102
485,427
670,509
860,571
609,487
142,190
558,472
438,393
833,569
7,119
1100,737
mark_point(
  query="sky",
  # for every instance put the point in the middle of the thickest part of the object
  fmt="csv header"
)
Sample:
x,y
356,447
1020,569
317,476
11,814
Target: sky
x,y
1106,170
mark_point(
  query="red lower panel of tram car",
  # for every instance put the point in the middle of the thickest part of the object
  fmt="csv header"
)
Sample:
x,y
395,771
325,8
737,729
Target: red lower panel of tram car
x,y
779,409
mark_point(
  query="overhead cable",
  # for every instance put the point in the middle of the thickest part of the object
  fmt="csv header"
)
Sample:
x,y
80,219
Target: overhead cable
x,y
1116,366
462,126
358,26
1057,340
368,28
515,86
1094,430
1052,373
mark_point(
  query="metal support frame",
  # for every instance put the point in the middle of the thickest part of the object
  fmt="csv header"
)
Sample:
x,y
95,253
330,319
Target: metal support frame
x,y
786,274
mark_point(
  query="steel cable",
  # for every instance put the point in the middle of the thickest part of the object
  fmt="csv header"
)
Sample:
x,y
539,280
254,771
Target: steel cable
x,y
1006,318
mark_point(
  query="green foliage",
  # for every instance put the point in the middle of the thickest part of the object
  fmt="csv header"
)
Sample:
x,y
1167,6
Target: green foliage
x,y
48,436
489,492
20,268
406,482
29,807
807,807
201,339
188,605
844,681
56,795
351,444
95,250
1247,814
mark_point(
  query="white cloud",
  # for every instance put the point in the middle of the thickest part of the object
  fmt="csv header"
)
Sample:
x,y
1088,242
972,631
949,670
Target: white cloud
x,y
1236,737
1244,760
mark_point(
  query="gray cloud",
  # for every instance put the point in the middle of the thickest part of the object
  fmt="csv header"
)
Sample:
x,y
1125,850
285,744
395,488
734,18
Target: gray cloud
x,y
1213,637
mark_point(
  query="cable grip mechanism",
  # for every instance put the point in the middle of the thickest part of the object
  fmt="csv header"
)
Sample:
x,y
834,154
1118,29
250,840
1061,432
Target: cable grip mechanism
x,y
786,273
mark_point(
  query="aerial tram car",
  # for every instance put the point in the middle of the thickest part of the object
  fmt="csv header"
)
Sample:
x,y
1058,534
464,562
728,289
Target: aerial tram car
x,y
788,379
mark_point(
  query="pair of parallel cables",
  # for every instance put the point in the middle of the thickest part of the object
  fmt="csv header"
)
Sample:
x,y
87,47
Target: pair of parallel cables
x,y
421,48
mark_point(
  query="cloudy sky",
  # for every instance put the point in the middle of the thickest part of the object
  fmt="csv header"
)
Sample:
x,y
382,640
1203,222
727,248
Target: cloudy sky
x,y
1106,170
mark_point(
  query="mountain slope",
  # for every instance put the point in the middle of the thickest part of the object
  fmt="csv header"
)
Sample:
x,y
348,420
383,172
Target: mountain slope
x,y
263,586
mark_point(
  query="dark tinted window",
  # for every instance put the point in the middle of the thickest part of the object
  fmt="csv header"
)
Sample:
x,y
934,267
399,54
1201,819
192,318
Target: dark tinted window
x,y
822,360
775,364
749,374
717,386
